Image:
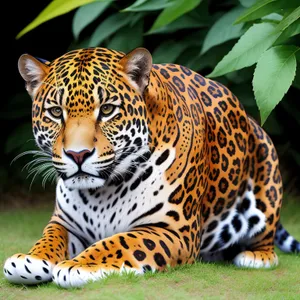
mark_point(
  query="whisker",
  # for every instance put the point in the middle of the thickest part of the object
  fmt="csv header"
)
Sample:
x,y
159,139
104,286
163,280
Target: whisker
x,y
34,162
41,167
48,174
38,171
34,152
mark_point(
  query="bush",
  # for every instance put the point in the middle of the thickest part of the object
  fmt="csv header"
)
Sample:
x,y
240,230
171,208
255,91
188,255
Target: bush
x,y
250,46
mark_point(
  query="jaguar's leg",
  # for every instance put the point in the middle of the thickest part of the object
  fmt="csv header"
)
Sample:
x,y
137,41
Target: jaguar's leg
x,y
36,266
263,257
147,248
265,194
260,244
262,221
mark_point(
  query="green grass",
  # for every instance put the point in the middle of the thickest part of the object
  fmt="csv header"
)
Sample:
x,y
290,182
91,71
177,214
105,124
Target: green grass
x,y
20,229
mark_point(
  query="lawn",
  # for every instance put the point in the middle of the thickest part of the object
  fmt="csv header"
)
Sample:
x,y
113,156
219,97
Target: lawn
x,y
20,229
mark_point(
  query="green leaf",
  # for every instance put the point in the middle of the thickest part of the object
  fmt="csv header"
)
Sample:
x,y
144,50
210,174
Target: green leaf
x,y
54,9
223,30
185,21
273,17
292,30
108,27
79,44
125,41
258,10
248,49
196,18
288,20
247,3
265,7
274,74
241,76
20,136
162,53
147,5
87,14
209,59
173,12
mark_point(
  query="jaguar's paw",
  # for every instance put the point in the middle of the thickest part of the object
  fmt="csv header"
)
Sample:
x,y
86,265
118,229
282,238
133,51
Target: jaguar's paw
x,y
27,269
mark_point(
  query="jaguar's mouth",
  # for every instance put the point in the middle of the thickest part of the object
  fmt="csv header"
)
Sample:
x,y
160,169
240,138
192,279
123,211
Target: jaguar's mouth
x,y
83,180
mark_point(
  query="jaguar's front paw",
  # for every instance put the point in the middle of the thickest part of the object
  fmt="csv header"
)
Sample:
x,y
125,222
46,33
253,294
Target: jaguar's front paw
x,y
69,274
27,269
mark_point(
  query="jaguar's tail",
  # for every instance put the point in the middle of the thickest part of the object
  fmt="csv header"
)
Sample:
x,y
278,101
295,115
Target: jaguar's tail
x,y
285,242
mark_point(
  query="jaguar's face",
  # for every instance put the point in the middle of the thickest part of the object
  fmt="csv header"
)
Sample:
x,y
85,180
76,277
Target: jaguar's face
x,y
89,112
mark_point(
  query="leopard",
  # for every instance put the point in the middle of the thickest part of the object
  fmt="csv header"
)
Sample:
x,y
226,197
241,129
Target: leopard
x,y
156,165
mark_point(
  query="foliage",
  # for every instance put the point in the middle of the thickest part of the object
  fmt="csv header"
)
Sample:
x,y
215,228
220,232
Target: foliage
x,y
268,21
250,46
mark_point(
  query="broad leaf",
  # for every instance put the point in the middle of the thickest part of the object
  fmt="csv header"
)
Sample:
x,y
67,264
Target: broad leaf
x,y
162,53
148,5
136,17
173,12
125,41
210,58
223,30
247,3
185,21
265,7
274,74
196,18
273,17
287,21
258,10
248,49
54,9
87,14
292,30
241,76
108,27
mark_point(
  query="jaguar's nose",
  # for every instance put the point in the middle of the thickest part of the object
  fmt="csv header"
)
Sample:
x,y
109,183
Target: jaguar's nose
x,y
79,156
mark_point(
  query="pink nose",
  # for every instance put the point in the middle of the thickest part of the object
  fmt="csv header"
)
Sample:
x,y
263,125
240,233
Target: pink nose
x,y
80,156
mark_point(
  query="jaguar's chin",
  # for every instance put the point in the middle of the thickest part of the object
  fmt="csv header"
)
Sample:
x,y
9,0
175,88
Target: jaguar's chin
x,y
84,181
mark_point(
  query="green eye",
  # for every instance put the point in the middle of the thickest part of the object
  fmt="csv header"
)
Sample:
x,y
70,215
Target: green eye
x,y
107,109
55,112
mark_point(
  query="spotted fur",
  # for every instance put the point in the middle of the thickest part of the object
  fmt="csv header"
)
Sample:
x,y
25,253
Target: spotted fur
x,y
174,172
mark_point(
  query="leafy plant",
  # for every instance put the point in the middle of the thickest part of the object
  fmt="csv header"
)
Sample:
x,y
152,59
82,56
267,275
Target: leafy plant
x,y
276,66
261,27
252,46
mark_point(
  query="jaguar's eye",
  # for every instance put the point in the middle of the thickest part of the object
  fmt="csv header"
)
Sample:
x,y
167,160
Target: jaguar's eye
x,y
107,109
56,112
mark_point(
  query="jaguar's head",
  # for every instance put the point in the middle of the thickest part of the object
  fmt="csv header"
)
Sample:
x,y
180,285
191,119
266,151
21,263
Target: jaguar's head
x,y
89,113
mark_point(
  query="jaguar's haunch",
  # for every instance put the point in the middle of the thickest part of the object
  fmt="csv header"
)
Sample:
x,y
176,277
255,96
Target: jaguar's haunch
x,y
157,166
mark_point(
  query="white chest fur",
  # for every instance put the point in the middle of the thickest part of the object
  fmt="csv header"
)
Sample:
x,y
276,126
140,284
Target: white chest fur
x,y
99,213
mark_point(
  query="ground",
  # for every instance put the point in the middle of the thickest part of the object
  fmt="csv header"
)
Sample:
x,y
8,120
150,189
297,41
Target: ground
x,y
20,228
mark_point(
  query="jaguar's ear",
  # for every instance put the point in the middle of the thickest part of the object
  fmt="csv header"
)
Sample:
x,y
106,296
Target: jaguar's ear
x,y
33,71
137,65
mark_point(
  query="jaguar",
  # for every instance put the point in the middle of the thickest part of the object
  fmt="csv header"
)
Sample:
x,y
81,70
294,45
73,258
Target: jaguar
x,y
157,166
